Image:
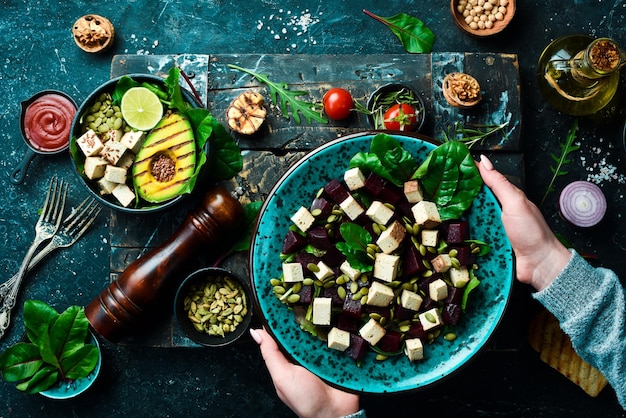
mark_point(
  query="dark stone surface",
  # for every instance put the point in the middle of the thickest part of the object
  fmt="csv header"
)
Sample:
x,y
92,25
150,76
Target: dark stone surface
x,y
37,53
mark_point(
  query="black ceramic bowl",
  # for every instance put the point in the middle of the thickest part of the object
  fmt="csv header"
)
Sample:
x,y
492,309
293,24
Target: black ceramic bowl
x,y
78,157
195,284
372,103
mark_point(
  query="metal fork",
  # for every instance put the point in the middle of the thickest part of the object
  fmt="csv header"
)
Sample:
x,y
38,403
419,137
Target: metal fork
x,y
45,228
73,227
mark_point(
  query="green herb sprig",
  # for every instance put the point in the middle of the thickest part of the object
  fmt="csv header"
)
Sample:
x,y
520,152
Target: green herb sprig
x,y
471,134
563,159
285,99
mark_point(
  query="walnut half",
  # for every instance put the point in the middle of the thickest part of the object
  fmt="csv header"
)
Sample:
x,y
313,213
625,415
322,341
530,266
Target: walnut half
x,y
93,33
461,90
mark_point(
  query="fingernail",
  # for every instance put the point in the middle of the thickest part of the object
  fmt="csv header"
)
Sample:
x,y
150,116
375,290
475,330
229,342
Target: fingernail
x,y
255,336
486,162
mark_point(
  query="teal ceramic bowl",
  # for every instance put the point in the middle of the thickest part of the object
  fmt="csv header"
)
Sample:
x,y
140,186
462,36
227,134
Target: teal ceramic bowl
x,y
442,358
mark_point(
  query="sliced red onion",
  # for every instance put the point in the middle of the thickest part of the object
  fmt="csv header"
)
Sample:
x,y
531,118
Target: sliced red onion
x,y
582,203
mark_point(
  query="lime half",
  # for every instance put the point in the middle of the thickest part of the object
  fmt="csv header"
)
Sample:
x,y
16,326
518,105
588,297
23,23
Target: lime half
x,y
141,108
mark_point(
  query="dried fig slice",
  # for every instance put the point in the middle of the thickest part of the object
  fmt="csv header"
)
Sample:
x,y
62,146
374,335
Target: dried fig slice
x,y
246,113
461,90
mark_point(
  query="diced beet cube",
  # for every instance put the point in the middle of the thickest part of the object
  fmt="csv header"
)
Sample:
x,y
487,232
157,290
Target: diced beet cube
x,y
333,257
456,232
391,342
383,311
403,313
451,314
305,259
428,304
337,192
323,205
404,209
347,323
293,242
331,292
382,189
464,255
412,261
351,307
417,331
306,295
358,347
318,237
455,295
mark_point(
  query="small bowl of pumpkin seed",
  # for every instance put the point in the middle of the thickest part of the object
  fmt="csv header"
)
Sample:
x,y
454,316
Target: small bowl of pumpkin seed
x,y
212,307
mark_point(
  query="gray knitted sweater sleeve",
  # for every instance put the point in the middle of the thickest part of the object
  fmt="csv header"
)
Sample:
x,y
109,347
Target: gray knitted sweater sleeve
x,y
590,304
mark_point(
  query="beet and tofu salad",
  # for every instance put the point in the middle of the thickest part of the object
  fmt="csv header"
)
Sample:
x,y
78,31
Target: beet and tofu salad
x,y
382,259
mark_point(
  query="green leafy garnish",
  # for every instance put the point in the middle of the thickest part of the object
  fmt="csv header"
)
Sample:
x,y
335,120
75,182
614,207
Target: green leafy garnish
x,y
285,99
56,349
471,134
355,246
413,34
471,285
563,159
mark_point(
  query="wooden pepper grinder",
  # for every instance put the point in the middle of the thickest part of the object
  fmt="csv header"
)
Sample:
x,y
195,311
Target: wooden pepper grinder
x,y
126,302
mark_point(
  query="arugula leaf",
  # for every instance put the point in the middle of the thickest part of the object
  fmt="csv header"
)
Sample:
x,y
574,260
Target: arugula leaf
x,y
566,148
413,34
355,246
387,158
288,98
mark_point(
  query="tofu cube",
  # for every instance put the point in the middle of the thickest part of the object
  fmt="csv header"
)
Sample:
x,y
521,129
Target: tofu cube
x,y
324,271
459,276
94,167
372,332
133,140
379,295
113,151
338,339
412,191
354,178
303,219
349,271
127,160
386,267
441,263
414,349
430,319
111,135
391,238
292,272
123,194
322,310
411,300
115,174
379,213
430,237
438,290
90,143
426,214
105,186
351,207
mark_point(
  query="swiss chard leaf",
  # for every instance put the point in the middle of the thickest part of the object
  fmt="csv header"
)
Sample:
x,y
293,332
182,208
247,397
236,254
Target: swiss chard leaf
x,y
37,314
354,246
413,34
20,362
471,285
80,363
42,380
250,211
387,158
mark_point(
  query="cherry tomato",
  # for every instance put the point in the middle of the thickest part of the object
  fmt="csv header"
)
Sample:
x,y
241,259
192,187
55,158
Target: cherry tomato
x,y
400,117
338,103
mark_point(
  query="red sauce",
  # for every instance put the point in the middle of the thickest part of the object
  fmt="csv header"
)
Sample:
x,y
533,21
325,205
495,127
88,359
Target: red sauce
x,y
47,122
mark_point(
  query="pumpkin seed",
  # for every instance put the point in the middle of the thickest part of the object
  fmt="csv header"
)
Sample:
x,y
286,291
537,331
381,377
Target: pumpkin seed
x,y
450,336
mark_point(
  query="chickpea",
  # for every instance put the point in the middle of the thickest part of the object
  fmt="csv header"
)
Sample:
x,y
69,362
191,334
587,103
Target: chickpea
x,y
488,7
504,3
499,16
502,10
474,25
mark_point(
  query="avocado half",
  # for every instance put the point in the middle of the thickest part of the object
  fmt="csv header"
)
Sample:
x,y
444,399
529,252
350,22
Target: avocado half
x,y
166,160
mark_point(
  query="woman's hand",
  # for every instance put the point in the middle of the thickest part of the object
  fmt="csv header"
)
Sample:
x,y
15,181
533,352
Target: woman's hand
x,y
302,391
539,255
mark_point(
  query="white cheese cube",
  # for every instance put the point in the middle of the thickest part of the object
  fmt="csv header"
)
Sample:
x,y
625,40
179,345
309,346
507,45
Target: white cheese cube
x,y
414,349
105,186
324,271
379,295
321,311
338,339
94,167
430,319
113,151
386,267
354,178
379,213
426,214
351,207
438,290
123,194
303,219
410,300
115,174
441,263
372,332
133,140
430,237
127,160
292,272
349,271
111,135
459,276
90,143
391,238
412,191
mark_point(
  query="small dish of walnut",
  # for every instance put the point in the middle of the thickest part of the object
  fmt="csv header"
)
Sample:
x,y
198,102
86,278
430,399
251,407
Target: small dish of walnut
x,y
461,90
93,33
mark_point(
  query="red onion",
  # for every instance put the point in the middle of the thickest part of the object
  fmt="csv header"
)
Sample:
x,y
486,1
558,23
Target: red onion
x,y
582,203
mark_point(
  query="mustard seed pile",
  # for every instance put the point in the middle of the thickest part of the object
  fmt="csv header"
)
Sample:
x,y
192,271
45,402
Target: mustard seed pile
x,y
482,14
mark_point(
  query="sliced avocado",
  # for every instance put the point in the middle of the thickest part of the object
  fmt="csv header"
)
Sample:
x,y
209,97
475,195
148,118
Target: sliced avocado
x,y
166,160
